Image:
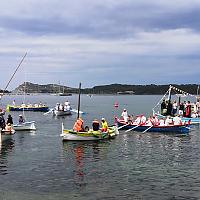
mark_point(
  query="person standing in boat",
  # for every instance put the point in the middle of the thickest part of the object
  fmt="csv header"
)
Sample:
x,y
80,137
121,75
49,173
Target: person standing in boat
x,y
13,102
169,108
125,115
174,108
67,103
57,106
163,107
104,125
67,106
181,109
188,109
21,119
61,107
2,122
9,120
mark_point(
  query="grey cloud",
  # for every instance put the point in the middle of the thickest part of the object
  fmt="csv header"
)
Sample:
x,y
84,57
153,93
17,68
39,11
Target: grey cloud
x,y
103,20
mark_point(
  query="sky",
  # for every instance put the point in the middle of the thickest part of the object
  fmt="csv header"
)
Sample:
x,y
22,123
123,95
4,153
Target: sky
x,y
100,42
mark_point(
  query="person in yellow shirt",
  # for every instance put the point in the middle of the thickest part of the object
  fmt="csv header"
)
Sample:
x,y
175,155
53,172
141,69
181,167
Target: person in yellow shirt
x,y
104,125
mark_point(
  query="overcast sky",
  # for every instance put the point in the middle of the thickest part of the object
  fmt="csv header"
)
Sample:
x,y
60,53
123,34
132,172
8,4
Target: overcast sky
x,y
100,42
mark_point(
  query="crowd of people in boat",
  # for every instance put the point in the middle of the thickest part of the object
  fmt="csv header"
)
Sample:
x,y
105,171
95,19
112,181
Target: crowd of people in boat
x,y
79,125
63,106
184,109
29,105
151,120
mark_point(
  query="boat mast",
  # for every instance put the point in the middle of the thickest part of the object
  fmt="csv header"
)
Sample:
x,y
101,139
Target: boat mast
x,y
14,74
79,99
170,95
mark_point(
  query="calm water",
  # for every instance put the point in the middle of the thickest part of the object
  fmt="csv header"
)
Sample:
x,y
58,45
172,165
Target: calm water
x,y
38,165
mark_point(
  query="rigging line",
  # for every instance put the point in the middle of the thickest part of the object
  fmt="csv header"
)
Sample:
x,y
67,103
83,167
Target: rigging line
x,y
161,99
14,73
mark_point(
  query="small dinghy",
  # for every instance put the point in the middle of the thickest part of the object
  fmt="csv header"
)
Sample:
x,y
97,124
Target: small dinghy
x,y
26,126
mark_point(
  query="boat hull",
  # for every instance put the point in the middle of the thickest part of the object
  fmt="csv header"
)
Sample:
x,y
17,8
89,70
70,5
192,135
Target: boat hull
x,y
70,135
177,129
27,126
61,113
192,120
35,109
185,119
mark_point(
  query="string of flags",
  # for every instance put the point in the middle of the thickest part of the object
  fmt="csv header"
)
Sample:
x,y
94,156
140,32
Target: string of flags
x,y
181,91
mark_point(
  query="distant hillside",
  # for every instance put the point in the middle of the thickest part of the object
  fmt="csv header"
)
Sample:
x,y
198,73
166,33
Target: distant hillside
x,y
36,88
139,89
104,89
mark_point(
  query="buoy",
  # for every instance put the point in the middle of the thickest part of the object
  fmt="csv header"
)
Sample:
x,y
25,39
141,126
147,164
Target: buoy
x,y
116,105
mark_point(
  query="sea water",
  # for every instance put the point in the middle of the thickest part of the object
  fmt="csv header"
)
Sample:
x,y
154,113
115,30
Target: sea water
x,y
38,165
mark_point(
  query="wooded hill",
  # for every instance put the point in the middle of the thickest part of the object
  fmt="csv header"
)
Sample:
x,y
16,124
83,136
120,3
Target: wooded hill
x,y
104,89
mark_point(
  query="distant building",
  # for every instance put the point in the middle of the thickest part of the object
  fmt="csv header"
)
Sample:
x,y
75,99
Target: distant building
x,y
126,92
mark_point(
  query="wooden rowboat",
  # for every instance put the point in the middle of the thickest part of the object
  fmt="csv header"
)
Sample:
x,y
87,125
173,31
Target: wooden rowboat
x,y
39,108
90,135
177,129
61,112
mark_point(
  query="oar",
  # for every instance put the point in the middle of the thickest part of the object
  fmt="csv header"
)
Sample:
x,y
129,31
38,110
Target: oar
x,y
46,113
122,126
147,129
132,128
76,111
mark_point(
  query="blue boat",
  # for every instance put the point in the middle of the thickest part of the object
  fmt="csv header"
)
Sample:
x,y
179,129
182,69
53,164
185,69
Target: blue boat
x,y
184,119
192,120
177,129
38,108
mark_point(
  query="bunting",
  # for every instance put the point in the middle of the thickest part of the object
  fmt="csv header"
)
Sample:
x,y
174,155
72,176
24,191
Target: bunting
x,y
181,91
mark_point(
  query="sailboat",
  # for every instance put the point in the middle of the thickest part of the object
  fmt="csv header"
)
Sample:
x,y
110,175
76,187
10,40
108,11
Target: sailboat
x,y
63,93
24,125
8,132
87,135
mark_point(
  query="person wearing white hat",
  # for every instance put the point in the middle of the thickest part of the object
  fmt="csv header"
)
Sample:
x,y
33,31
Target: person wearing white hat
x,y
21,119
125,115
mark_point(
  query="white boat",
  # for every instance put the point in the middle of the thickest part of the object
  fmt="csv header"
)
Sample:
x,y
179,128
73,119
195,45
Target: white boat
x,y
91,135
61,112
26,126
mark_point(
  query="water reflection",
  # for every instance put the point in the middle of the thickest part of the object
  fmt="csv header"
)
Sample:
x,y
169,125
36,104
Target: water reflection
x,y
5,148
83,156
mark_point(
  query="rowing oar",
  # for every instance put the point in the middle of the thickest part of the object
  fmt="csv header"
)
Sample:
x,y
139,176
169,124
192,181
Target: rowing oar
x,y
147,129
122,126
46,113
76,111
132,128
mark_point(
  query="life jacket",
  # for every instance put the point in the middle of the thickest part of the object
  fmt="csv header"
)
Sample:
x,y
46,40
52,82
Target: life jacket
x,y
104,126
78,125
